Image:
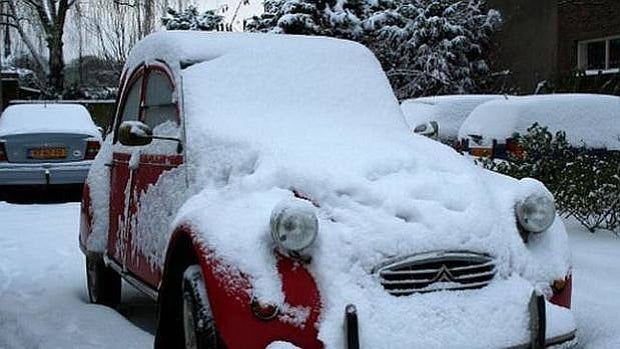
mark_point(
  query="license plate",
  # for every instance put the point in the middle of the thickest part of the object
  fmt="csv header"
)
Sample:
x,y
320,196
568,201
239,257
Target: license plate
x,y
47,153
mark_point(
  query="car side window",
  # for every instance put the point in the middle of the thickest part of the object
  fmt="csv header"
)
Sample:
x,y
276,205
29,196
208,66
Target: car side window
x,y
159,106
131,108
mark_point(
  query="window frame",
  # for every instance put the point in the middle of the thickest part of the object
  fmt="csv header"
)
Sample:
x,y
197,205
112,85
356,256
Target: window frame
x,y
582,55
144,71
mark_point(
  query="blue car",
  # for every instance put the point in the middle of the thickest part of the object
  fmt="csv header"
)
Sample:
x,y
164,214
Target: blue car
x,y
46,145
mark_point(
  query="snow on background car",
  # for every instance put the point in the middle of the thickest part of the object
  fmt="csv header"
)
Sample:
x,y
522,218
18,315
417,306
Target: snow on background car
x,y
345,145
47,118
448,111
591,120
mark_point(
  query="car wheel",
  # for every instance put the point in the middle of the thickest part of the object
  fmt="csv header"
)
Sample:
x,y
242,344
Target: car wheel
x,y
104,284
198,326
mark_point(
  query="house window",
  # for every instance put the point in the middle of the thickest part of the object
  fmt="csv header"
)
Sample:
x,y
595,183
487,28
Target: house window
x,y
614,53
596,55
601,55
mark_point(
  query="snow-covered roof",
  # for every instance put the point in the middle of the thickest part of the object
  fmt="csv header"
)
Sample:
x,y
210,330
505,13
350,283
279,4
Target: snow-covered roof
x,y
47,118
586,118
449,111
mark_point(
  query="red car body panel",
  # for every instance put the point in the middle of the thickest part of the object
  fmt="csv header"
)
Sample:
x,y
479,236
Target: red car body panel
x,y
150,168
120,178
230,299
85,218
563,298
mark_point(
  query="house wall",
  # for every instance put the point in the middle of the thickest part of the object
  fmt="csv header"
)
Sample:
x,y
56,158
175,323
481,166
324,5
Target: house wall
x,y
581,20
527,43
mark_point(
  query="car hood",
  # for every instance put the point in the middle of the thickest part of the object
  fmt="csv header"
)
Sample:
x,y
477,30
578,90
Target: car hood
x,y
408,203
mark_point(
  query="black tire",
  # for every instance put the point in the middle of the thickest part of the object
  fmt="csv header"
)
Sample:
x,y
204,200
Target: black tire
x,y
104,284
199,330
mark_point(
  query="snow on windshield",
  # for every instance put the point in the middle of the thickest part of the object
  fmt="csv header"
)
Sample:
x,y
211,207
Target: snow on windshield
x,y
47,118
593,120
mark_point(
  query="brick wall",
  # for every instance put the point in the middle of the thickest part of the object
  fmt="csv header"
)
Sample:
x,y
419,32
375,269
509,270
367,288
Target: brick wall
x,y
580,20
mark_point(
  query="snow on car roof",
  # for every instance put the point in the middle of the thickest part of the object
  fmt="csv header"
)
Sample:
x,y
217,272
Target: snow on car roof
x,y
586,118
294,95
47,118
449,111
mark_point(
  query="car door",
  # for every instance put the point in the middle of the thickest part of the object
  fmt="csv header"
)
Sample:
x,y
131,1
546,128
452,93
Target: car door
x,y
146,227
121,176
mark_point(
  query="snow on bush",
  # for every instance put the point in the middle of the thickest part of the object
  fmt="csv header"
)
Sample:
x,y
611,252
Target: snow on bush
x,y
426,47
585,183
191,19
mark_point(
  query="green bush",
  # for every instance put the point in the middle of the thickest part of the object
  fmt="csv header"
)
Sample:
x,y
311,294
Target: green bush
x,y
586,185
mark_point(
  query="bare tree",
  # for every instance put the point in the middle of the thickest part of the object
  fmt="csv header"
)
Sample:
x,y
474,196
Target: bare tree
x,y
50,17
16,17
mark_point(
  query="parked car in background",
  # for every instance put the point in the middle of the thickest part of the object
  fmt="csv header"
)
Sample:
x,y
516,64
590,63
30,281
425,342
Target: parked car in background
x,y
440,117
589,120
261,188
46,145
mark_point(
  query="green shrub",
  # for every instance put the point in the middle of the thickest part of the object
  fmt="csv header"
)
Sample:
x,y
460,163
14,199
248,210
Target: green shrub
x,y
586,185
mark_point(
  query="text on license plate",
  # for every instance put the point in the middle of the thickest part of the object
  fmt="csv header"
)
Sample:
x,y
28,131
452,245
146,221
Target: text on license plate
x,y
47,153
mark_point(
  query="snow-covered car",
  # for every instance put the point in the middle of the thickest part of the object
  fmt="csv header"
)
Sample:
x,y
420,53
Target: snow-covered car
x,y
262,188
440,117
46,145
589,120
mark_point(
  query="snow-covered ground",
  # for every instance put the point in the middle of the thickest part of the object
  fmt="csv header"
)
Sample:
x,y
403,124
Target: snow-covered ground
x,y
43,301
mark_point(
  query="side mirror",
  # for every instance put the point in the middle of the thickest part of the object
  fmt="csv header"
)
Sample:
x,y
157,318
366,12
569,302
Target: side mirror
x,y
134,133
429,129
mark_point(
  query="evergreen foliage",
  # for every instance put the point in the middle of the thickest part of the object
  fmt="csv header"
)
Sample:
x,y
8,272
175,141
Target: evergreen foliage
x,y
191,19
585,183
426,47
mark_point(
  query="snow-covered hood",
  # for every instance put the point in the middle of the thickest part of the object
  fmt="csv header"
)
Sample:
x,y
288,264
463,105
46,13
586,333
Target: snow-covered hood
x,y
423,201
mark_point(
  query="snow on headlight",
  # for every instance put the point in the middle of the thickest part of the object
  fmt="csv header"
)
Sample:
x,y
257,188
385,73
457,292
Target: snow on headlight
x,y
294,225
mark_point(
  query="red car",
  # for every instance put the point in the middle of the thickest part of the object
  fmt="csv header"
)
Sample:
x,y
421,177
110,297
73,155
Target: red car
x,y
263,190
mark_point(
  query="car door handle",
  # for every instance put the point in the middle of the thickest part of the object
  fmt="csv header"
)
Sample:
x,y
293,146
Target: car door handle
x,y
110,165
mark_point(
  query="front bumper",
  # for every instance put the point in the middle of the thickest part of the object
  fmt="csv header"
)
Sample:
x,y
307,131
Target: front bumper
x,y
44,173
539,336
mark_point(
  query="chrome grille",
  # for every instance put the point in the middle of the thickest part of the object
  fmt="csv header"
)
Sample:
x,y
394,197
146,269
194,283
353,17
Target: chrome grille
x,y
436,271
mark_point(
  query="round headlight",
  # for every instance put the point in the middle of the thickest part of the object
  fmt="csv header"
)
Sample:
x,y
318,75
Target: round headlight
x,y
294,227
536,213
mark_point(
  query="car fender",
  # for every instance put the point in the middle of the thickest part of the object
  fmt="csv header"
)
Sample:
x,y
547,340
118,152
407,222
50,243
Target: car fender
x,y
231,300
